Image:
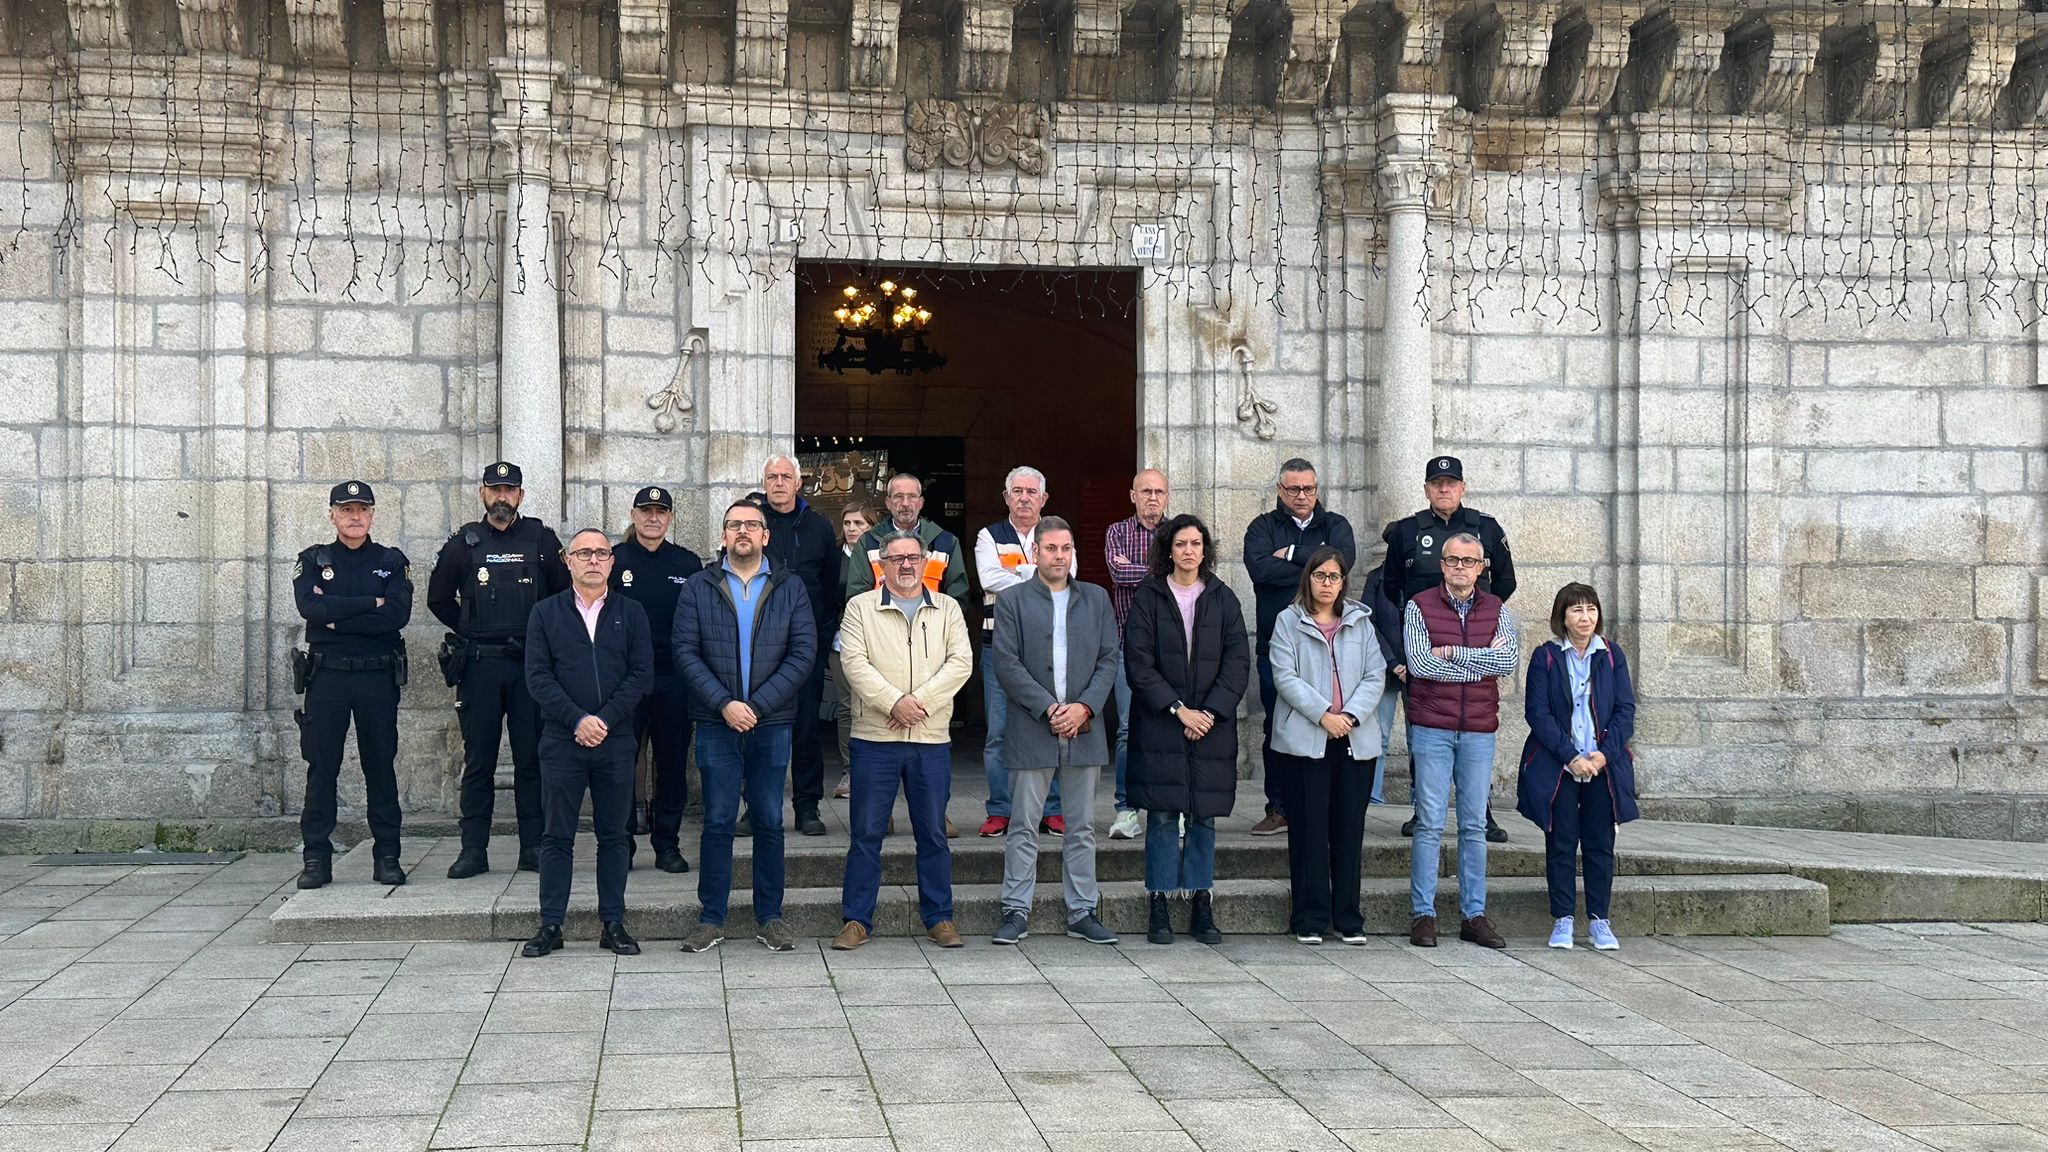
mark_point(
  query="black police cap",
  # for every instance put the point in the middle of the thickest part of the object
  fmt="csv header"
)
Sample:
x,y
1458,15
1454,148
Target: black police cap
x,y
1444,466
351,492
501,473
652,497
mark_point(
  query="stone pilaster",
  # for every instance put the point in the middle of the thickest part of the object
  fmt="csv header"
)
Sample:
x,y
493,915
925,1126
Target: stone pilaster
x,y
981,32
1409,182
1199,36
871,45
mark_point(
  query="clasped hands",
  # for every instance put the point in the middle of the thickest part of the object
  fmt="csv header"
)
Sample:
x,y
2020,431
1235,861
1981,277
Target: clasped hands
x,y
1066,719
590,731
907,714
1584,768
1336,724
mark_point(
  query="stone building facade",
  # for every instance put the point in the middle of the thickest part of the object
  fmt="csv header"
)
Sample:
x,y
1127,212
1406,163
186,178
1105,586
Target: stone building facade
x,y
1733,310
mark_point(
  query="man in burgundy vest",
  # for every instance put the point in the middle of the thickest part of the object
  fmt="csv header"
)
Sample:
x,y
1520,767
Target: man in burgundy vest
x,y
1459,642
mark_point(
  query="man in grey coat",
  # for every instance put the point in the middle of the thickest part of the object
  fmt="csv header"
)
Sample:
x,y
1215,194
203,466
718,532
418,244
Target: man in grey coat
x,y
1055,654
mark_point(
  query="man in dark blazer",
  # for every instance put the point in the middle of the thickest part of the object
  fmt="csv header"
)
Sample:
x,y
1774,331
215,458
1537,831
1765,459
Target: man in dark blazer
x,y
589,661
1055,652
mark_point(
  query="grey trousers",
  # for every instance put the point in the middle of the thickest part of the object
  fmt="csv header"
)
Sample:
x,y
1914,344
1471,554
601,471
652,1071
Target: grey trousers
x,y
1028,788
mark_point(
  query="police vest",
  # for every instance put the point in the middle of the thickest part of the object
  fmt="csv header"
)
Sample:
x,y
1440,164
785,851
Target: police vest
x,y
503,582
1425,564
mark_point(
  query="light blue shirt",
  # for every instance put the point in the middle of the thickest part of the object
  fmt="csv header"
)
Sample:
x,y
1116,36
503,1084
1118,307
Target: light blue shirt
x,y
1585,734
746,597
1059,643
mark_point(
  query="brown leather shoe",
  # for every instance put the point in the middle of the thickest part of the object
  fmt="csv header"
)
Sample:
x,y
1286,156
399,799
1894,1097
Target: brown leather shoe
x,y
1477,931
850,937
945,935
1272,825
952,833
1422,932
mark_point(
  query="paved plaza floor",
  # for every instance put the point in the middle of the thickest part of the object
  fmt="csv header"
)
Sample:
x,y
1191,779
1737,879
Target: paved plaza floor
x,y
143,1010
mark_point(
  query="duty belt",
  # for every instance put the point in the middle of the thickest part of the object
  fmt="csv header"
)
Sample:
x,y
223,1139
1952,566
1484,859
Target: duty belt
x,y
503,650
354,664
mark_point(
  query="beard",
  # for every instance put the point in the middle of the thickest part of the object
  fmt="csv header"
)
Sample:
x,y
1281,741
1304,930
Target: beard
x,y
502,512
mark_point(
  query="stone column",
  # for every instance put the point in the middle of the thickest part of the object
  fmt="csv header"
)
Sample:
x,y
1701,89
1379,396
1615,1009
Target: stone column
x,y
529,310
1407,366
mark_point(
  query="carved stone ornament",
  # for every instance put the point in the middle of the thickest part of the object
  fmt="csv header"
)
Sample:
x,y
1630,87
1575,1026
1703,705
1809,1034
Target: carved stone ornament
x,y
950,134
1253,409
673,403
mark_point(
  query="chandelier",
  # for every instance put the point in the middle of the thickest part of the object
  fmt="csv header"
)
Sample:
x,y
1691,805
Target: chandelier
x,y
881,329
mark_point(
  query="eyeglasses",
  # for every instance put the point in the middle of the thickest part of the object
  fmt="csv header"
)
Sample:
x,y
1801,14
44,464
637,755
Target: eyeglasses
x,y
1298,489
588,555
746,525
1327,577
913,558
1463,561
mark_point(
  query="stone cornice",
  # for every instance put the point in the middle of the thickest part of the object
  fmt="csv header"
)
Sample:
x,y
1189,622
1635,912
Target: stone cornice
x,y
1688,170
183,116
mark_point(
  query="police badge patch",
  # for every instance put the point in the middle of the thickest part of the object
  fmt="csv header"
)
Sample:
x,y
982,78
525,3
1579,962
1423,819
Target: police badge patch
x,y
1427,541
327,573
626,578
483,575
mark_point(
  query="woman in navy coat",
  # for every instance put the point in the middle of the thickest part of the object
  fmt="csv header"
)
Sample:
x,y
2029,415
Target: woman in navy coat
x,y
1578,778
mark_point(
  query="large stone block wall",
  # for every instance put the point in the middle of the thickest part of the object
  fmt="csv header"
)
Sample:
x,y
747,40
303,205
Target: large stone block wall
x,y
1794,434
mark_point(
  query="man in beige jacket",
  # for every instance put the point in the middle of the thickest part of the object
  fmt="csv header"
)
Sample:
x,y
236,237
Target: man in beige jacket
x,y
905,654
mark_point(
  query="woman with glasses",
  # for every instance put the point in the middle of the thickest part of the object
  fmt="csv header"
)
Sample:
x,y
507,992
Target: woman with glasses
x,y
1328,673
1578,779
1189,660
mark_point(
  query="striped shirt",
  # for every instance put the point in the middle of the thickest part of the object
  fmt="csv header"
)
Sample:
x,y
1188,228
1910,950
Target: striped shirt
x,y
1133,541
1466,665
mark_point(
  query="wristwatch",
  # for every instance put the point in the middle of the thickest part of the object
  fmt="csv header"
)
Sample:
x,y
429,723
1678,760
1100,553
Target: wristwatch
x,y
1174,708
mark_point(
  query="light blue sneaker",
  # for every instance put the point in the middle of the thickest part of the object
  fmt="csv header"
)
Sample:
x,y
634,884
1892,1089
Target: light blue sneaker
x,y
1603,936
1561,932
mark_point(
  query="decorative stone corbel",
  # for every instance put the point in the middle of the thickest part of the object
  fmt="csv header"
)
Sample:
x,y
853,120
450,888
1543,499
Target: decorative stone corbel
x,y
982,31
1411,33
1503,50
1770,56
2025,101
1089,43
643,41
760,42
210,26
1588,47
1962,74
409,35
1311,51
871,45
1254,411
1868,70
99,24
316,31
1199,32
526,28
1673,57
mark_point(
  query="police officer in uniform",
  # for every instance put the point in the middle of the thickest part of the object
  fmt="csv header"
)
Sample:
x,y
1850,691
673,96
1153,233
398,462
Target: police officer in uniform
x,y
356,597
1415,560
486,581
650,570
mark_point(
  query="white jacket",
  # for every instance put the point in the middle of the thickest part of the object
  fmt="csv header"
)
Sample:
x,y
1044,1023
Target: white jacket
x,y
887,655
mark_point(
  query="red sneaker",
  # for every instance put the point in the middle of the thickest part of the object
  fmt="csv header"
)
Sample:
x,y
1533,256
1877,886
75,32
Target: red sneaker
x,y
995,826
1056,825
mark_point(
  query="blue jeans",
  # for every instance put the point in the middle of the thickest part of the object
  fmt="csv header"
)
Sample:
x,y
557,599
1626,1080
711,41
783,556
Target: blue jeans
x,y
728,762
1386,718
996,705
1123,729
1442,759
1170,865
874,768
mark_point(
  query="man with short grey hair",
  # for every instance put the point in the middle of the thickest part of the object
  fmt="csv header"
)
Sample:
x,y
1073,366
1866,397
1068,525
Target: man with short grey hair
x,y
945,569
1055,652
1006,556
805,545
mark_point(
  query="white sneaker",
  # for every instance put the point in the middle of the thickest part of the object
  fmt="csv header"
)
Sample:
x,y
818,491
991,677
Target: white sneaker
x,y
1603,936
1354,938
1128,825
1309,938
1561,932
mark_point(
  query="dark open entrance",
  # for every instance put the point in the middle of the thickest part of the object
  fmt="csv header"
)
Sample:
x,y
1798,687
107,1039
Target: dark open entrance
x,y
1041,369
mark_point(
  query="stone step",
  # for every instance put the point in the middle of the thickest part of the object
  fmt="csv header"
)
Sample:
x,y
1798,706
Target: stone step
x,y
666,908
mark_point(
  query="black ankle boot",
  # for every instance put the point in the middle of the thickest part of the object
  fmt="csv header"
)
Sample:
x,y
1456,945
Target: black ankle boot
x,y
318,872
1202,921
1161,931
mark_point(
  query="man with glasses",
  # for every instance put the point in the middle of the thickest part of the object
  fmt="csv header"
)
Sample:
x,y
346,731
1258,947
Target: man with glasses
x,y
1006,556
745,642
650,569
1458,642
589,661
945,569
905,654
1127,550
1276,546
1414,565
806,546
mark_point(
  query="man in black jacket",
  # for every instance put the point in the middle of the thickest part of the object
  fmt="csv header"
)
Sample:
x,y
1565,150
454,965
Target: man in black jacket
x,y
487,579
805,545
650,570
589,661
1276,546
1415,562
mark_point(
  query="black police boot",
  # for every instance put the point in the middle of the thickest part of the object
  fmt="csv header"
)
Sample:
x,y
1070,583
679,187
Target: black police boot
x,y
1495,834
1161,929
808,823
388,871
641,824
1408,827
1202,921
613,937
529,860
471,862
319,871
670,860
547,940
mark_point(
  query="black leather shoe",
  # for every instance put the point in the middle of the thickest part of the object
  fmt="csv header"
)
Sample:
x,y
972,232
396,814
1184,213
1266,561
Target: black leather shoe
x,y
548,939
388,871
318,873
1495,834
469,864
615,938
641,824
671,860
529,860
809,824
1408,827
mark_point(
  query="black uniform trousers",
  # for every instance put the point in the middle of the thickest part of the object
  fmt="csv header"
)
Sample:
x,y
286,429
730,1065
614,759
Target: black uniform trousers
x,y
492,696
332,698
664,719
806,749
1326,801
567,771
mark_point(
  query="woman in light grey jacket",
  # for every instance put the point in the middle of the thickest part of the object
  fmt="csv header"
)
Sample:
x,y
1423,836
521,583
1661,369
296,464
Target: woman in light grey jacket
x,y
1328,673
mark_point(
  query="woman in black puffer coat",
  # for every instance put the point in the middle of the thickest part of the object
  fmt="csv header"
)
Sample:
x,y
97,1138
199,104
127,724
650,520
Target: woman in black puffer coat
x,y
1189,658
